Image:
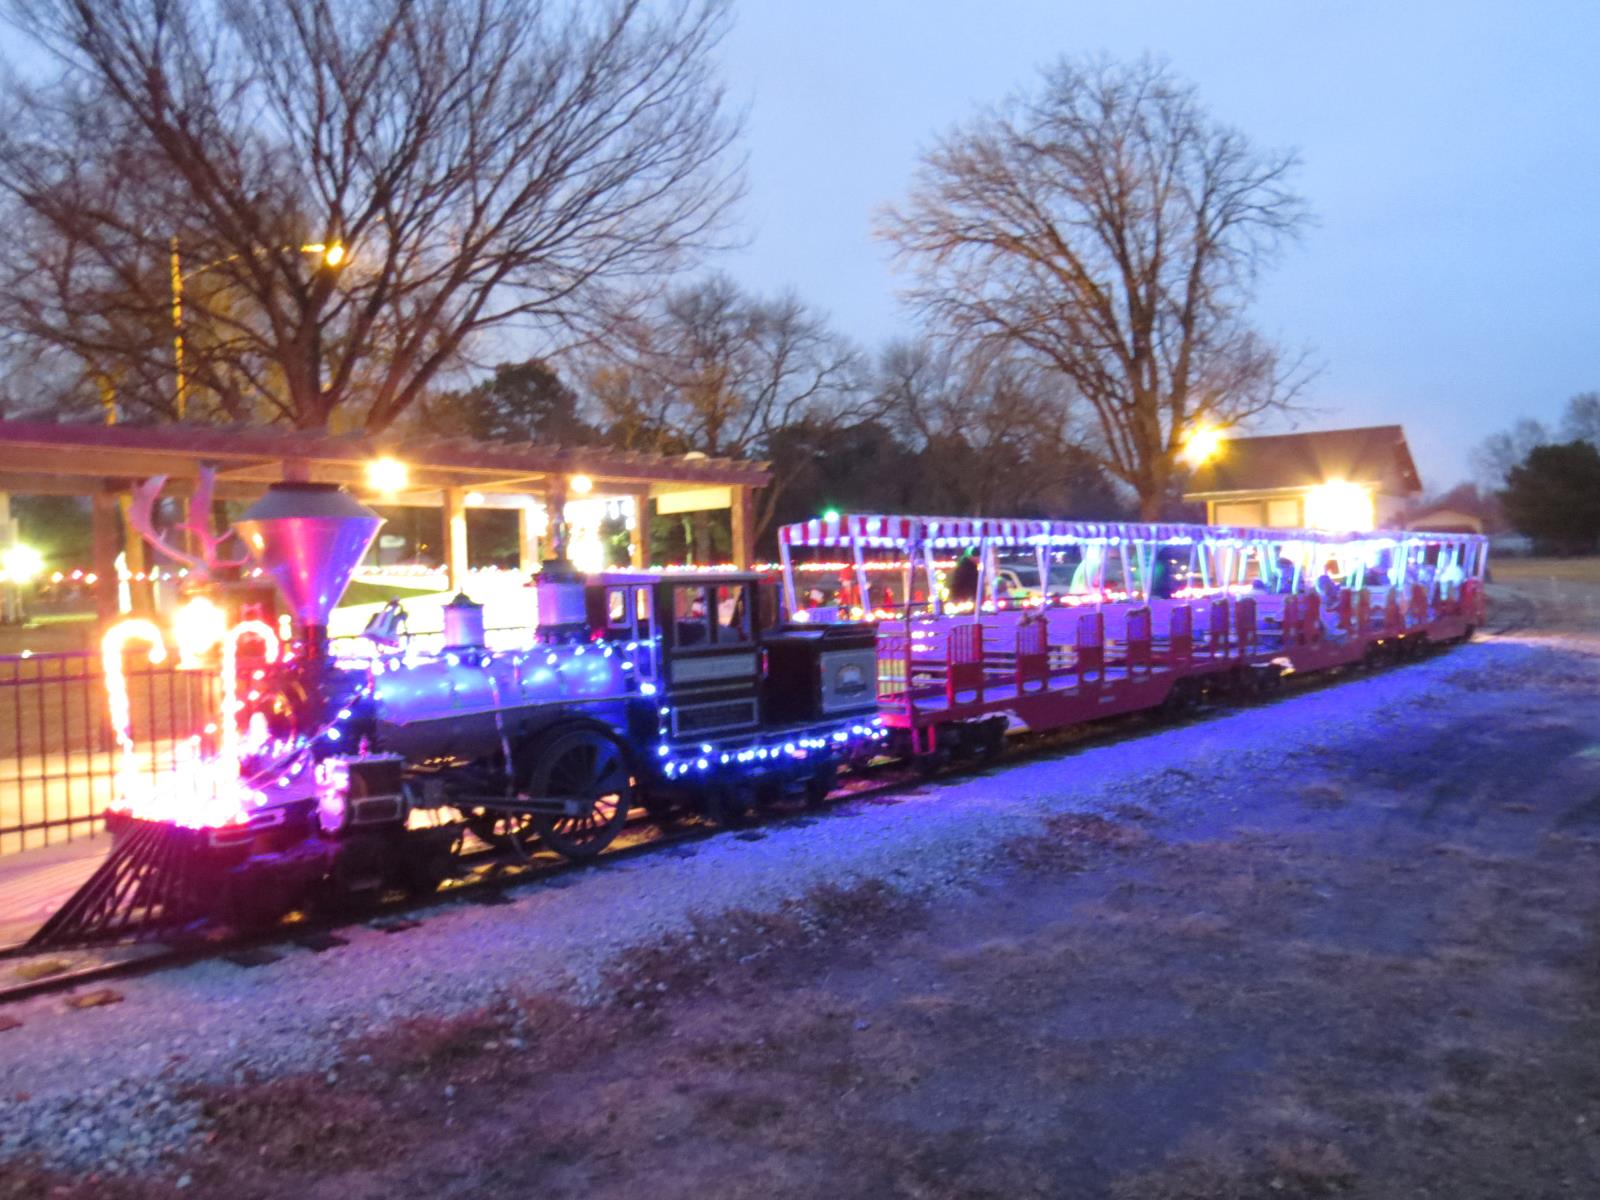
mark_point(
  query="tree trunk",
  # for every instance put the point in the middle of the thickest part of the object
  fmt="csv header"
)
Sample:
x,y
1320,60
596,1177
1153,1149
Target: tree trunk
x,y
1150,506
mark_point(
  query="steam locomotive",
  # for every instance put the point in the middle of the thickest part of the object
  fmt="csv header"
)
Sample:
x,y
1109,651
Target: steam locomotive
x,y
363,773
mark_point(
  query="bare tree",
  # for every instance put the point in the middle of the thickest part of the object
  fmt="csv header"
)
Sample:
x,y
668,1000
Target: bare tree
x,y
1580,420
1111,231
989,429
1493,458
476,164
710,369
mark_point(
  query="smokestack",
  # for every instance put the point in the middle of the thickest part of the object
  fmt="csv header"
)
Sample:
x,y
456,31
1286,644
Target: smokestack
x,y
309,537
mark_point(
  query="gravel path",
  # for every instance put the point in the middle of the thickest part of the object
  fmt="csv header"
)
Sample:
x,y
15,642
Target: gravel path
x,y
99,1088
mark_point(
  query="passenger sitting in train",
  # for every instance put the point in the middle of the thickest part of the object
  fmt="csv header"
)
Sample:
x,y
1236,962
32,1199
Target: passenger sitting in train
x,y
1168,573
1286,573
964,579
1419,573
1450,579
1328,585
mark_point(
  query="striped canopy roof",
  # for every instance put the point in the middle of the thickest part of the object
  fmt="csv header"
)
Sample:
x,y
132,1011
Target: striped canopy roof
x,y
878,531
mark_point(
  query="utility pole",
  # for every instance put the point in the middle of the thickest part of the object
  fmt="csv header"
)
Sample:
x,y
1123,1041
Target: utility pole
x,y
180,401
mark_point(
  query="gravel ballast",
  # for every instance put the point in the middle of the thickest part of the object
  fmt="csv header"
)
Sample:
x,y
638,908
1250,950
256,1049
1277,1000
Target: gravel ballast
x,y
102,1088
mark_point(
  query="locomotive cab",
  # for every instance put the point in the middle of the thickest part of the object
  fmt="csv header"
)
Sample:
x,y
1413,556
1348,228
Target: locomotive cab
x,y
723,669
699,640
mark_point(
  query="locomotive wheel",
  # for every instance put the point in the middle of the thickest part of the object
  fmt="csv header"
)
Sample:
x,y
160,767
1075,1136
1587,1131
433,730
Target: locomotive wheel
x,y
819,785
663,810
992,739
727,804
502,830
583,763
428,857
1179,700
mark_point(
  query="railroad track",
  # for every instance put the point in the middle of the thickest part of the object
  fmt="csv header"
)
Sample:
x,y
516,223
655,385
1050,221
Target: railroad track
x,y
1514,613
491,874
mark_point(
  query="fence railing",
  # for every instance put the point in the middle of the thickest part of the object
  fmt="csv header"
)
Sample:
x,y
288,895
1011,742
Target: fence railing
x,y
57,761
57,751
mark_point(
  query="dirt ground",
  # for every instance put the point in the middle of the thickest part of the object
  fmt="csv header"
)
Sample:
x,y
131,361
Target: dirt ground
x,y
1546,593
1368,969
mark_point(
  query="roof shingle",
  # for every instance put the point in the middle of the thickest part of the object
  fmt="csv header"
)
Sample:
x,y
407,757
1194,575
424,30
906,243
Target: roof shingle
x,y
1375,454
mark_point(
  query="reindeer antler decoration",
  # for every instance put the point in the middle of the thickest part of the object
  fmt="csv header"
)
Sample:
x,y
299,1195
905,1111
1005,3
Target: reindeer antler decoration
x,y
141,515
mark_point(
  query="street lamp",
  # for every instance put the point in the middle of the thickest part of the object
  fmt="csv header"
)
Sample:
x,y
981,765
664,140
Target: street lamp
x,y
1340,505
1204,444
332,254
20,565
387,475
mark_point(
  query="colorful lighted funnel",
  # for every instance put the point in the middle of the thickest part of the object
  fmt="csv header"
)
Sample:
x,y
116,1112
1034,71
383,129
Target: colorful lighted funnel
x,y
309,537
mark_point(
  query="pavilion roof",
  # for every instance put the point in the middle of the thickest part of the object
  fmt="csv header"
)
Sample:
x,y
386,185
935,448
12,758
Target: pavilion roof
x,y
79,458
889,532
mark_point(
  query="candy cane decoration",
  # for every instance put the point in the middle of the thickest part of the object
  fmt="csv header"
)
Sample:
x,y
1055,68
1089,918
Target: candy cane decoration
x,y
230,680
112,648
196,792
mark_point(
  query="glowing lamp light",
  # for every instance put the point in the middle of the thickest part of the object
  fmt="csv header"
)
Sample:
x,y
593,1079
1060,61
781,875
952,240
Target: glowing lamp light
x,y
197,626
1204,444
581,485
387,475
1341,506
333,254
21,564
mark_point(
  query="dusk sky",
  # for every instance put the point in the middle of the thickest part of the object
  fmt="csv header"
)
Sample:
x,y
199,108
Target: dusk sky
x,y
1451,155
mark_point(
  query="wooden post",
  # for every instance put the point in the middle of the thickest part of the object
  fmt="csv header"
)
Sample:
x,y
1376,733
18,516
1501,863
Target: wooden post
x,y
455,538
639,539
527,538
142,592
555,512
743,531
103,514
10,594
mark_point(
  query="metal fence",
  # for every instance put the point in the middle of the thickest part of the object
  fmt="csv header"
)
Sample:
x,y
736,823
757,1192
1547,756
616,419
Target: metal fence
x,y
56,746
57,751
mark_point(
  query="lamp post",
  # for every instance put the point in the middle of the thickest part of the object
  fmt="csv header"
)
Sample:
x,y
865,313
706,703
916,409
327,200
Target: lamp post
x,y
1202,445
332,254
